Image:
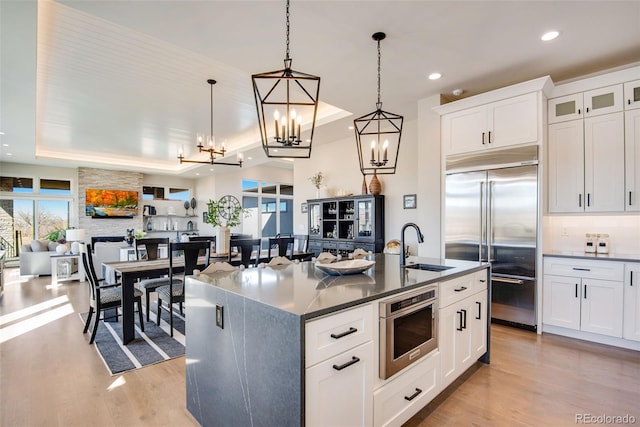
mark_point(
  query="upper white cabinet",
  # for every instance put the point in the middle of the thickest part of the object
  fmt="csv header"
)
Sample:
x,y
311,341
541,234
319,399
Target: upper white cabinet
x,y
632,95
498,124
585,167
588,104
632,160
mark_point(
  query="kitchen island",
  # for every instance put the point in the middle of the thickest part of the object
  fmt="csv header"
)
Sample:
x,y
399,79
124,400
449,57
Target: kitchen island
x,y
254,346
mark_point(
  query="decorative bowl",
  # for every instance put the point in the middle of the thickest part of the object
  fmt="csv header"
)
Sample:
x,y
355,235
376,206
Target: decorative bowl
x,y
343,268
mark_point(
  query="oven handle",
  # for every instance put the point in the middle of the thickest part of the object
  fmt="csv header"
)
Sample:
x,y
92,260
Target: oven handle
x,y
507,280
404,312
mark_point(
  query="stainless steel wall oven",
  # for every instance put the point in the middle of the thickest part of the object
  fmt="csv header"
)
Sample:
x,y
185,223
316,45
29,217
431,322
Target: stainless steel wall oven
x,y
408,329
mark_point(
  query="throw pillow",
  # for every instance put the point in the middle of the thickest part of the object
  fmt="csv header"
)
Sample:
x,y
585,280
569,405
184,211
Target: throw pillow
x,y
52,246
39,246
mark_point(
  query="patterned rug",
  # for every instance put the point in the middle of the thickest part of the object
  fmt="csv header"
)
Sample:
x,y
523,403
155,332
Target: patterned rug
x,y
152,346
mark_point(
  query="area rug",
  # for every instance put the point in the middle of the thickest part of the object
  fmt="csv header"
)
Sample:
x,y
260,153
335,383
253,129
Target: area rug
x,y
152,346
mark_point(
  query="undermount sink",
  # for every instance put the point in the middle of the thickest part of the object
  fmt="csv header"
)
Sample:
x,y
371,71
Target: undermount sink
x,y
428,267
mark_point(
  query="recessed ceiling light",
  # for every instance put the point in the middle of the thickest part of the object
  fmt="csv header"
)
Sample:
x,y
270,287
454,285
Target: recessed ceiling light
x,y
350,127
549,36
275,150
9,154
434,76
197,173
211,170
249,158
5,145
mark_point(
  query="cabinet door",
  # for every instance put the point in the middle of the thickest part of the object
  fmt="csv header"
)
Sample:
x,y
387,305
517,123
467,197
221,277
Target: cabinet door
x,y
631,321
315,220
604,160
565,108
513,121
339,391
453,341
477,321
632,160
602,304
365,220
561,301
603,101
465,131
566,167
632,95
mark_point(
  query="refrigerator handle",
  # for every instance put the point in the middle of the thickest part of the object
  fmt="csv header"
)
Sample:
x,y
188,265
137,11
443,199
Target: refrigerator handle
x,y
480,228
489,220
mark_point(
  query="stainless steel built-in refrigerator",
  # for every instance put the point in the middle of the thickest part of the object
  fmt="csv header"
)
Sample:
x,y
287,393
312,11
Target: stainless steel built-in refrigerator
x,y
491,214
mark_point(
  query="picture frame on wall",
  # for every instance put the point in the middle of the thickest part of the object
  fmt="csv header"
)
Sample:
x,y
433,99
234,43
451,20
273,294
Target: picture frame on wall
x,y
303,207
409,201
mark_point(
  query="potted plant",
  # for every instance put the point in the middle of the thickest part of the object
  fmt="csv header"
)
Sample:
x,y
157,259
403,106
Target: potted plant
x,y
224,213
316,179
58,236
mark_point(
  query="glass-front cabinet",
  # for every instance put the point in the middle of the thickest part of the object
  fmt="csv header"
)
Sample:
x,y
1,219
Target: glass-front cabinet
x,y
342,224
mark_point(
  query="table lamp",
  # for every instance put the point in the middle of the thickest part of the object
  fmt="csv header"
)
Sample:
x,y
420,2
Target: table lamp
x,y
75,235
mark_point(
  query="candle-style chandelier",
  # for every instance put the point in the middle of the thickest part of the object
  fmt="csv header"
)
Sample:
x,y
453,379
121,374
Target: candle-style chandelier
x,y
291,98
211,144
378,134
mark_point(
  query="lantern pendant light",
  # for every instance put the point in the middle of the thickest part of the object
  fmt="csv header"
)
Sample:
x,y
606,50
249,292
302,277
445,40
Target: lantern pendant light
x,y
378,134
287,103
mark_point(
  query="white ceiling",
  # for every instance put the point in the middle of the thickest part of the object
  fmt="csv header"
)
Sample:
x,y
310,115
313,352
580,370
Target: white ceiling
x,y
122,84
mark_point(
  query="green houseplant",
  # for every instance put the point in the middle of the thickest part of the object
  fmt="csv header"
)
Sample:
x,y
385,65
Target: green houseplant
x,y
224,213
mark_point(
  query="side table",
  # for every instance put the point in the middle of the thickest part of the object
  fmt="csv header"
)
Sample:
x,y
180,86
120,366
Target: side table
x,y
66,267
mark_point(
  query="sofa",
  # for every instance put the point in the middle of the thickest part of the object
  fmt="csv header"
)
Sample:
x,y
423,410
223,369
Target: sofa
x,y
35,258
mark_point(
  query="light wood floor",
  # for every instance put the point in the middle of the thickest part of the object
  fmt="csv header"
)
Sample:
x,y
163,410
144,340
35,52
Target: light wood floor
x,y
51,376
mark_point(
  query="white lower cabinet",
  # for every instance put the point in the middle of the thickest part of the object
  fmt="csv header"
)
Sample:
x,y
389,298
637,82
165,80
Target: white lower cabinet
x,y
339,390
401,398
631,322
582,300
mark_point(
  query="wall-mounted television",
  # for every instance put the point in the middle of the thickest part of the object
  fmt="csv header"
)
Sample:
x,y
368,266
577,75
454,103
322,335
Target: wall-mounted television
x,y
111,203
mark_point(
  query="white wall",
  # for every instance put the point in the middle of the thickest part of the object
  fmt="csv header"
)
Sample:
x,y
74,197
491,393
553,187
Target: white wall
x,y
417,173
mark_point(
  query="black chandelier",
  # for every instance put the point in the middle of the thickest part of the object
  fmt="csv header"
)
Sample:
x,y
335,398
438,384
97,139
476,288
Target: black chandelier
x,y
211,144
378,134
291,98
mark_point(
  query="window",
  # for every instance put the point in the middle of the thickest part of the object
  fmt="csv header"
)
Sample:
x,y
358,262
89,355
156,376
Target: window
x,y
270,206
150,193
179,194
16,185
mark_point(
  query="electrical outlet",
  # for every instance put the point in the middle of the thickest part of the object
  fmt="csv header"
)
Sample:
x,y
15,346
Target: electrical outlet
x,y
219,318
565,232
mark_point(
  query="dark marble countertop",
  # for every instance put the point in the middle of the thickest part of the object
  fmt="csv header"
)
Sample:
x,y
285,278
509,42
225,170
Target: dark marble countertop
x,y
613,256
305,291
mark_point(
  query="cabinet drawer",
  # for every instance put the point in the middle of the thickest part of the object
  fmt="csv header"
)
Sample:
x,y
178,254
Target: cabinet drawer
x,y
457,289
333,334
420,383
592,269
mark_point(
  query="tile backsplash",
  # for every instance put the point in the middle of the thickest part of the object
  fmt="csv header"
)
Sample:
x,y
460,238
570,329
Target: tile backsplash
x,y
567,233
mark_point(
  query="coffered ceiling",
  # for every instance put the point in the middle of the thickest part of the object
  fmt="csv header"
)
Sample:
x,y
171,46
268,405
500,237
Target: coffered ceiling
x,y
123,84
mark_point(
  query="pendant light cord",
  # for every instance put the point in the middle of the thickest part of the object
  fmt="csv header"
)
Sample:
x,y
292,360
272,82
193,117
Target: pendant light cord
x,y
379,103
288,15
211,135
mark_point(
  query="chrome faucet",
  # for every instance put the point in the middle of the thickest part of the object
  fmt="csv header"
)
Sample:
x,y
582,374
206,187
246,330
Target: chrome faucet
x,y
402,247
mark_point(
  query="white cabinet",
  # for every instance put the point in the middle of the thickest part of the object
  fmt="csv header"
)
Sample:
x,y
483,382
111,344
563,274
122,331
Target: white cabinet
x,y
586,159
340,368
583,295
588,104
631,321
632,95
406,394
632,160
499,124
462,328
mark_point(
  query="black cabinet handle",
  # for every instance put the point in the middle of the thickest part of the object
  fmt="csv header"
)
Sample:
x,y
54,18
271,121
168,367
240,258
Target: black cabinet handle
x,y
588,199
629,198
628,101
585,291
346,365
482,138
631,281
464,316
489,138
587,109
460,289
580,200
479,316
414,395
344,334
581,269
576,290
459,328
579,111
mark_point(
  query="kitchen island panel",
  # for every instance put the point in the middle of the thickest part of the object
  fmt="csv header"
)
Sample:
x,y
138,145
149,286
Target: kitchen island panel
x,y
252,366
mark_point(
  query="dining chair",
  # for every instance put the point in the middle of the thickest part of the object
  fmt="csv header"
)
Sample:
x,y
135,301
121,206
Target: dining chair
x,y
103,297
174,292
211,239
151,284
151,246
282,243
301,242
246,248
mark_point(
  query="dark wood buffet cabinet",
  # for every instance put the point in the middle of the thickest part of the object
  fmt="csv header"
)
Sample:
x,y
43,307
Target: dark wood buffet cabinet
x,y
341,224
